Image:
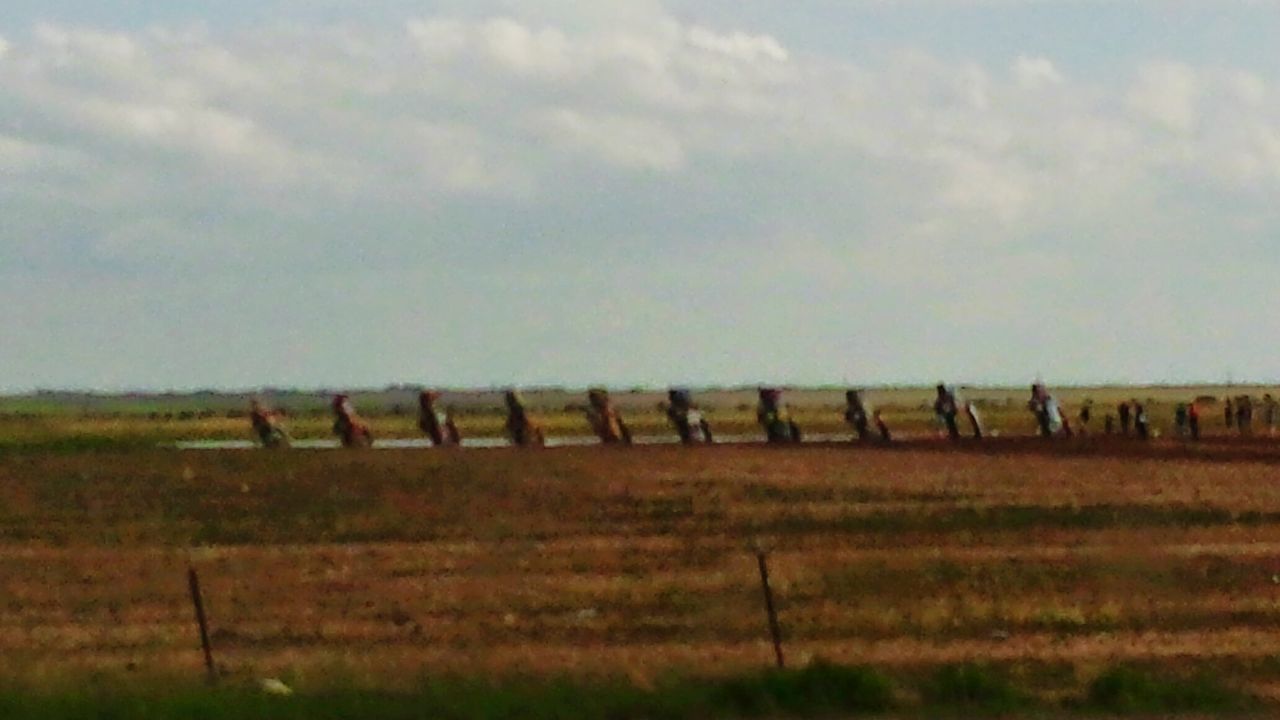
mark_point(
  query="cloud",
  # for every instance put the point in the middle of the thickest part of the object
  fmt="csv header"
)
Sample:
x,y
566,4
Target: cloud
x,y
1166,93
738,45
612,193
1034,73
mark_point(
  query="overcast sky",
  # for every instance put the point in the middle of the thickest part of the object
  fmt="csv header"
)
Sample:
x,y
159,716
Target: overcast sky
x,y
325,193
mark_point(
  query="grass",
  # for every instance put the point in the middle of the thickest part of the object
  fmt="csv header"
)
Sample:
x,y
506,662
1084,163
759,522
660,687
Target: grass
x,y
955,574
1133,690
46,425
974,688
821,690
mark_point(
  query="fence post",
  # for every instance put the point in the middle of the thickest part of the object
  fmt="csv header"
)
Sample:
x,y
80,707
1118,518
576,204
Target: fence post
x,y
193,581
774,629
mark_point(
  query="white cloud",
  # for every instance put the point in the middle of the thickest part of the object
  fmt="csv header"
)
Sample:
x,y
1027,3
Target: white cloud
x,y
1036,72
438,38
489,158
620,140
524,50
1166,93
739,46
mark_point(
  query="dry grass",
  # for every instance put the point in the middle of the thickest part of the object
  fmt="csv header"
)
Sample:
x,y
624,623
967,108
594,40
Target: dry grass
x,y
378,566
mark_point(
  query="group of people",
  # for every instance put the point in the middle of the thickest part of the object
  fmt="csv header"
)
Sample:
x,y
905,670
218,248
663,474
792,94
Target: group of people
x,y
774,417
1238,412
1053,421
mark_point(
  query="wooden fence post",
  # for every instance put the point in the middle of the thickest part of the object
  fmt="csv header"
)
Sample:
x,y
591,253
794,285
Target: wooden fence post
x,y
774,629
193,581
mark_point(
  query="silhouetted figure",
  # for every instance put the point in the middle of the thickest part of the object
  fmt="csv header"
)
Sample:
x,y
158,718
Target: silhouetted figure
x,y
690,424
1228,414
1181,420
775,418
855,413
945,409
1086,414
268,426
438,425
350,429
521,429
1140,425
882,427
605,419
1270,413
1244,415
1193,420
1123,410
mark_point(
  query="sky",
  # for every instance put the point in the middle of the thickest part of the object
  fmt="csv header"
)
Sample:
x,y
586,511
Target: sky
x,y
317,193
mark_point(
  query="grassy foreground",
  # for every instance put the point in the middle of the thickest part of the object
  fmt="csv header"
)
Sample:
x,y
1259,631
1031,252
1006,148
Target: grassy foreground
x,y
819,690
1009,577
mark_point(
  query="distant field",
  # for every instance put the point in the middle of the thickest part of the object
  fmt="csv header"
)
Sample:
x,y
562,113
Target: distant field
x,y
391,401
1050,564
72,422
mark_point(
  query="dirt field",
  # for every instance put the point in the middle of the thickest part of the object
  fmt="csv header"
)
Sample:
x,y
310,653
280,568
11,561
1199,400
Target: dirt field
x,y
1056,558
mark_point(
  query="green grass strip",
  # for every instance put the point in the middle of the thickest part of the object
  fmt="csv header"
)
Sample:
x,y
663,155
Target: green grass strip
x,y
821,690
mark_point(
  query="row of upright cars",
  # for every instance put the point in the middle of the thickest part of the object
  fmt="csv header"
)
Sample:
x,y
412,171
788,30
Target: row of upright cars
x,y
439,426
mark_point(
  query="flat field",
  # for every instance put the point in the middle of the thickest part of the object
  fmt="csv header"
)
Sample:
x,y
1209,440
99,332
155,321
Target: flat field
x,y
60,421
1051,561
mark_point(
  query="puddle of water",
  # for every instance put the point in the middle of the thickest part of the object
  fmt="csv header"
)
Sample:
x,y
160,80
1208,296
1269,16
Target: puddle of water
x,y
480,443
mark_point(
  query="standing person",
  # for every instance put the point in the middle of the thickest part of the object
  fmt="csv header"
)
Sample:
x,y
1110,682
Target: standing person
x,y
268,426
1140,421
1181,419
1123,411
684,414
1086,413
1270,413
1228,414
1244,415
521,429
1193,419
774,416
945,409
438,425
347,425
855,413
605,419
